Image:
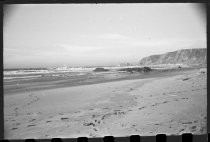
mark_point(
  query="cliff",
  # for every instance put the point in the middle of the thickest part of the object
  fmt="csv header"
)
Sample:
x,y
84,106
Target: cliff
x,y
196,56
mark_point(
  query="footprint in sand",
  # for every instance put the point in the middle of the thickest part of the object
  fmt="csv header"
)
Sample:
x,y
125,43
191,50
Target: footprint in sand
x,y
46,135
181,130
13,128
184,98
187,122
195,121
89,124
123,125
133,125
97,121
64,118
105,108
155,104
176,100
142,107
193,127
165,102
106,115
32,120
31,125
185,79
130,89
95,129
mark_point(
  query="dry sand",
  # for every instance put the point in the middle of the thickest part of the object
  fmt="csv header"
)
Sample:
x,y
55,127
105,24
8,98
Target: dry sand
x,y
171,105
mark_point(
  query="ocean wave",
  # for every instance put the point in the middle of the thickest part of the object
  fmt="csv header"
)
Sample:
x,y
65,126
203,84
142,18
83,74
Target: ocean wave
x,y
20,77
26,72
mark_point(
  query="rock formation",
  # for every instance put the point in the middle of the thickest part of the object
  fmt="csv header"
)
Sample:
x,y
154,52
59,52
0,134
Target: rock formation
x,y
185,56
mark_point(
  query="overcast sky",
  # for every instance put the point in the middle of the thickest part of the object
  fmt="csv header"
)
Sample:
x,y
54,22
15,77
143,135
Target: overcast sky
x,y
47,35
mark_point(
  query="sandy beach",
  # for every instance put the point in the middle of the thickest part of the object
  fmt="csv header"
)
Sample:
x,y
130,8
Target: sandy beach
x,y
172,105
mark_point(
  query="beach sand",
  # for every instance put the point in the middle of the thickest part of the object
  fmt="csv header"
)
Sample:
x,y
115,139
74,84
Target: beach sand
x,y
172,105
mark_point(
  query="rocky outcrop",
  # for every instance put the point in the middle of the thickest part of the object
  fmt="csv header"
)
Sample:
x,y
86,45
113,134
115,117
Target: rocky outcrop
x,y
100,70
141,70
196,56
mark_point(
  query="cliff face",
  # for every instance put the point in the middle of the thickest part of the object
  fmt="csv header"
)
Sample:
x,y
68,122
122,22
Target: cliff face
x,y
185,56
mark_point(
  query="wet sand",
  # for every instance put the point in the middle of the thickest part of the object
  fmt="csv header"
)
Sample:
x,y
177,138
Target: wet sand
x,y
69,79
171,104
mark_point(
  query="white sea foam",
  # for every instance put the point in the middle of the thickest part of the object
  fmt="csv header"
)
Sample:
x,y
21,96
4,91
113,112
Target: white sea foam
x,y
25,72
20,77
83,69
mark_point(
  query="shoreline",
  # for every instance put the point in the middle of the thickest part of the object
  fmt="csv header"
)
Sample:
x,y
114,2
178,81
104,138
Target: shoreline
x,y
118,108
65,83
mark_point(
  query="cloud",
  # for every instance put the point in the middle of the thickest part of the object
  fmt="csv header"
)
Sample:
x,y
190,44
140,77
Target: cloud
x,y
115,40
104,36
112,36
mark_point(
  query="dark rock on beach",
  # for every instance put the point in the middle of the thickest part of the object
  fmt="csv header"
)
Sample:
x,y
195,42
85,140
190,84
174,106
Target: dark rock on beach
x,y
131,70
100,70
